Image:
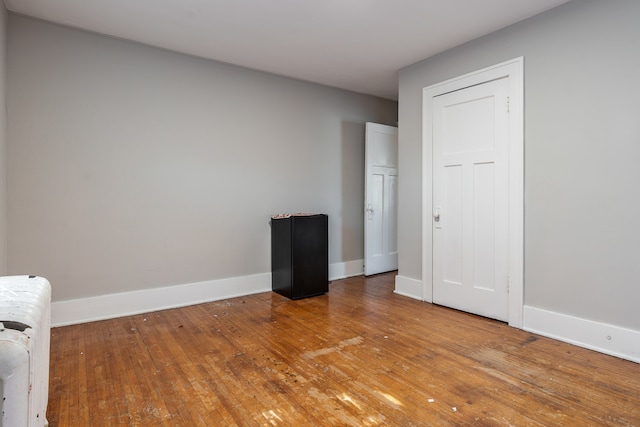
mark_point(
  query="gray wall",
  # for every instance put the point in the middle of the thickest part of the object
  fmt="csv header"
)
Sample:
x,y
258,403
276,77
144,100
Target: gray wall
x,y
133,167
582,150
3,142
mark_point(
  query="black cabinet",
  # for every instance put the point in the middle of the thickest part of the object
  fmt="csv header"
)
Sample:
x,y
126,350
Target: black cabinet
x,y
300,255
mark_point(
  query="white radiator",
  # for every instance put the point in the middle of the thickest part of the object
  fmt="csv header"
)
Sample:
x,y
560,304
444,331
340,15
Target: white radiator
x,y
25,319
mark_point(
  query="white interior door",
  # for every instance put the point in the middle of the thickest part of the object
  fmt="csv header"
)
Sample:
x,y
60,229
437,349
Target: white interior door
x,y
470,199
381,199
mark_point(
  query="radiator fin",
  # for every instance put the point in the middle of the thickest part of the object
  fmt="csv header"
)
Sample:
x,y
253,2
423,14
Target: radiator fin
x,y
25,322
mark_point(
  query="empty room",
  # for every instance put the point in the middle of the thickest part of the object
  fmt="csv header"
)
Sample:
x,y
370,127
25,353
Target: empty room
x,y
343,213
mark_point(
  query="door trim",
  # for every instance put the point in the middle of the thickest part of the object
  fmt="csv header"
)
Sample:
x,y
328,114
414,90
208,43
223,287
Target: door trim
x,y
514,71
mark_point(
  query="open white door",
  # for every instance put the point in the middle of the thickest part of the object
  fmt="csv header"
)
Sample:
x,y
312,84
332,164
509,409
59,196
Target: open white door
x,y
381,199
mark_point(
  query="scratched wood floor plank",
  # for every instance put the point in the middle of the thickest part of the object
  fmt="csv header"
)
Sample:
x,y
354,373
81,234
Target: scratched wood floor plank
x,y
357,356
59,372
178,361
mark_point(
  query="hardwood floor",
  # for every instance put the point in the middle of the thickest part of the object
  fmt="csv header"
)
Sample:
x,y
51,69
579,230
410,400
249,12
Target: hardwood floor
x,y
358,356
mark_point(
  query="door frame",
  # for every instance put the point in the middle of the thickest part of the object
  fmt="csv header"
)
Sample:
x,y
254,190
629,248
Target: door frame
x,y
514,71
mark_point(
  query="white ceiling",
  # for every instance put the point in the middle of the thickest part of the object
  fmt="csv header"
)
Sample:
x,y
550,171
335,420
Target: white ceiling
x,y
358,45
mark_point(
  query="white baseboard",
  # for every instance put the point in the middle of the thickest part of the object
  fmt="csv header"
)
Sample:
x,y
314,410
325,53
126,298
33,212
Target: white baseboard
x,y
608,339
408,287
145,300
342,270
